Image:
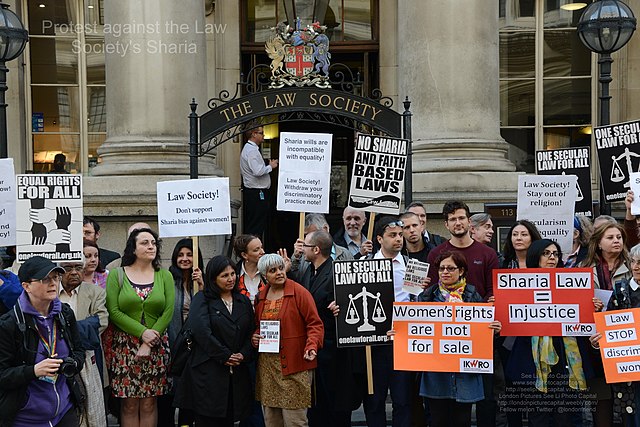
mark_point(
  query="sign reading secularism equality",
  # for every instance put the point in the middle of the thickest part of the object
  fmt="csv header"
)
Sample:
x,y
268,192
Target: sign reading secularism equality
x,y
619,345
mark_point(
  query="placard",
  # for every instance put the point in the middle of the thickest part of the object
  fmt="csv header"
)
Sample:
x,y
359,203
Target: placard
x,y
364,291
378,174
304,172
49,217
540,195
7,203
617,156
619,345
635,187
414,275
270,331
194,207
570,161
544,301
443,337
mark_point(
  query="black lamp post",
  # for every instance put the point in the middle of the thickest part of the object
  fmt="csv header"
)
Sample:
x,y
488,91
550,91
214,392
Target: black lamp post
x,y
13,38
605,27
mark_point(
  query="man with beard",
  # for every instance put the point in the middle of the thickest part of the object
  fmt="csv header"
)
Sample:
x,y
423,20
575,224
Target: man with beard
x,y
351,236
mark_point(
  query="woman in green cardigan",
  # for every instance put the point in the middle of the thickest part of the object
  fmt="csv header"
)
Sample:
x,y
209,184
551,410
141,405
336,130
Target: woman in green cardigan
x,y
140,299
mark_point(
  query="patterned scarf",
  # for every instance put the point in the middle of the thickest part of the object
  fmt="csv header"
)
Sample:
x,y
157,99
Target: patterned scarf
x,y
545,357
453,293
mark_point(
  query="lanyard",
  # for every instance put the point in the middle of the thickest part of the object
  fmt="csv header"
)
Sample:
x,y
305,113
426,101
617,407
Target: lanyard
x,y
50,344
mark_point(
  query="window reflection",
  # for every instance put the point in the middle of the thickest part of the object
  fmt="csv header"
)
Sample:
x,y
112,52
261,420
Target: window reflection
x,y
565,55
567,101
522,147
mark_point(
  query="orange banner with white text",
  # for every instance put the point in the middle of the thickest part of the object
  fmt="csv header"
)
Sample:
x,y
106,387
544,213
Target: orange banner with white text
x,y
619,345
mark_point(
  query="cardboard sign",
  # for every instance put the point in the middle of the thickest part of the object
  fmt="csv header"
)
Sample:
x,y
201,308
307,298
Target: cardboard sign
x,y
570,161
539,195
270,331
49,217
364,291
378,174
194,207
304,172
618,157
7,203
635,187
620,345
415,273
443,337
544,301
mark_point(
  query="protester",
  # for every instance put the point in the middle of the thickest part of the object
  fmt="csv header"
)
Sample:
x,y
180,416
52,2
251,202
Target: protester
x,y
416,244
284,378
351,235
519,238
94,272
91,231
608,255
419,209
40,353
10,290
249,250
140,299
451,395
582,230
216,383
481,228
631,222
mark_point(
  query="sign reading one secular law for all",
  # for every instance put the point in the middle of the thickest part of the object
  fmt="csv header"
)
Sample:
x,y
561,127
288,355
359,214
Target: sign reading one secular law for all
x,y
619,345
618,156
7,203
443,337
194,207
364,292
378,174
304,172
544,301
49,217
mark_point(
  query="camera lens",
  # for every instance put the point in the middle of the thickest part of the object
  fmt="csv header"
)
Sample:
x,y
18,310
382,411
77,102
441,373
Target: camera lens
x,y
68,367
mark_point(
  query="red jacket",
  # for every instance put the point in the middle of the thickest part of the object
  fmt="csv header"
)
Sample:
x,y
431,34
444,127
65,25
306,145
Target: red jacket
x,y
300,327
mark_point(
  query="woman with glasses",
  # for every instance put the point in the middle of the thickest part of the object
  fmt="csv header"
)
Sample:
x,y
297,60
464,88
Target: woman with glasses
x,y
140,297
450,396
40,352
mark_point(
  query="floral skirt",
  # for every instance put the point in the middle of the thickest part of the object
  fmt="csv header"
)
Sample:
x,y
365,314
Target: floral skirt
x,y
138,377
278,391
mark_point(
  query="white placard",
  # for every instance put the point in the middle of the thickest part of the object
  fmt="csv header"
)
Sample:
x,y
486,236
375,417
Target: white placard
x,y
604,296
49,217
414,276
549,202
635,187
7,203
194,207
270,333
304,172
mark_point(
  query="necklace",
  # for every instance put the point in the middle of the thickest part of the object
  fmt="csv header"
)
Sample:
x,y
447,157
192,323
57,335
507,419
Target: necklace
x,y
228,304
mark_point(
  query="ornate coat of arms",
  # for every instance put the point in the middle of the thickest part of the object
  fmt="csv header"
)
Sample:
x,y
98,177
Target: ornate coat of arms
x,y
300,56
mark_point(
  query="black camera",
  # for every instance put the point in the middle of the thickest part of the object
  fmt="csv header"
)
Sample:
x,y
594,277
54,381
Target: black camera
x,y
68,367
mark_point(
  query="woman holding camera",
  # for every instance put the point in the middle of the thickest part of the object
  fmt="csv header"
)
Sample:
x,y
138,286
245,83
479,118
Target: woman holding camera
x,y
40,352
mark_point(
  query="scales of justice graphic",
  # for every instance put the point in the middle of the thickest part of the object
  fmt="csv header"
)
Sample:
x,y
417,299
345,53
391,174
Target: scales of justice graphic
x,y
617,174
353,317
580,195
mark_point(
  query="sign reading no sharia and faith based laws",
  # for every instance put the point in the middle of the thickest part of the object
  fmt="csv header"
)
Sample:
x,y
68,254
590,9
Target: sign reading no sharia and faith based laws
x,y
443,337
544,301
379,166
619,345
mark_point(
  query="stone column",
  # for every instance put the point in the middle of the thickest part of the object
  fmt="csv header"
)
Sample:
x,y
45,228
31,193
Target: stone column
x,y
448,66
153,71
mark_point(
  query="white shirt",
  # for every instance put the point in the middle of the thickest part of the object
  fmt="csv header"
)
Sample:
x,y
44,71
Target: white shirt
x,y
255,174
249,283
72,299
399,269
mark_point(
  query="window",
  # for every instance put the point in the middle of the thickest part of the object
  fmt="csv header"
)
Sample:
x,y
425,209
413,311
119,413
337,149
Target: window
x,y
545,79
67,82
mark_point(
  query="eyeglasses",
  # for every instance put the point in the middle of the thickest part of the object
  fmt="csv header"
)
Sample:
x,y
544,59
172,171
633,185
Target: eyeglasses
x,y
447,268
70,268
309,246
397,223
48,280
550,254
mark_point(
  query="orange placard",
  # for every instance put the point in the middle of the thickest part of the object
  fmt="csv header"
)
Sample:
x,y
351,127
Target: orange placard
x,y
443,337
619,346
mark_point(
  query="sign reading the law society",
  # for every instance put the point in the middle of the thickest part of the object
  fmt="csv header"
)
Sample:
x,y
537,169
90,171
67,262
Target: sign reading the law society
x,y
619,345
378,174
7,203
304,172
539,195
194,207
618,156
364,292
49,217
570,161
544,301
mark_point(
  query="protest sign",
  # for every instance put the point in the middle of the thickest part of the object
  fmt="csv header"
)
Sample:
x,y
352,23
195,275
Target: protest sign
x,y
364,291
7,203
570,161
544,301
635,187
378,174
49,217
443,337
618,157
270,333
304,172
539,195
415,273
194,207
619,345
603,295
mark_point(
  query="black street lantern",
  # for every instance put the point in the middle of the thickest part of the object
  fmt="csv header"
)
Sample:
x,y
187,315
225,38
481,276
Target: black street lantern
x,y
13,38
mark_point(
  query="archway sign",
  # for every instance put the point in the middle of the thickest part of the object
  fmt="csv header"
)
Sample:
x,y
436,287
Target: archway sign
x,y
298,85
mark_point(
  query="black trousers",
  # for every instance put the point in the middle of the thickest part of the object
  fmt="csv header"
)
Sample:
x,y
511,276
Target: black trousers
x,y
255,211
449,413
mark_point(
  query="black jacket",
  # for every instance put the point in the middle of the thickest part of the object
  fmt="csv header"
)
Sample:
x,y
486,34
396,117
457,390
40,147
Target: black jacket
x,y
17,358
204,383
